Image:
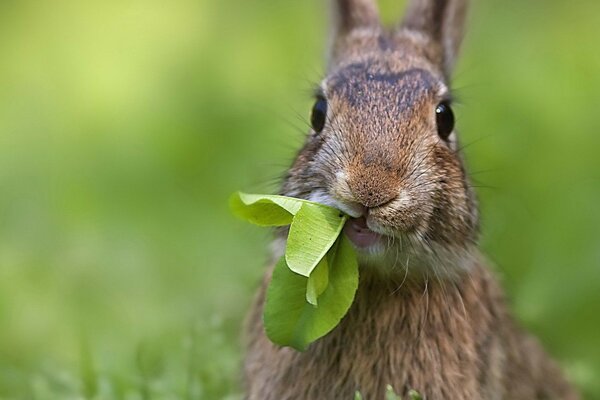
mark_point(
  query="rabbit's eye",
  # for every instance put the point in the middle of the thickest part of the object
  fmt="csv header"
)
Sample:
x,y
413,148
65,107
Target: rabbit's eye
x,y
318,115
445,120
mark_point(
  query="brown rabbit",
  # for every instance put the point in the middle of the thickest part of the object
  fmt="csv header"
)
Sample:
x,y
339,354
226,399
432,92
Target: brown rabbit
x,y
428,315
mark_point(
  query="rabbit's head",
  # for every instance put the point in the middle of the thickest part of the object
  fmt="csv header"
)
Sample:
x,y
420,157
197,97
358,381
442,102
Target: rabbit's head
x,y
383,145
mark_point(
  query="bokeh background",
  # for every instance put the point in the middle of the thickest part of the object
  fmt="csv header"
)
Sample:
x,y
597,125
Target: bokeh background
x,y
126,124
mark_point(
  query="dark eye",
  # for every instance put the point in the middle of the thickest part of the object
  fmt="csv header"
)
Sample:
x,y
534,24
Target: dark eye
x,y
445,120
318,115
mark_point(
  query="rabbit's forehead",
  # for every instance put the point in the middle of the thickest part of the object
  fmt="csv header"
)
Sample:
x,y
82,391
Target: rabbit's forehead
x,y
359,84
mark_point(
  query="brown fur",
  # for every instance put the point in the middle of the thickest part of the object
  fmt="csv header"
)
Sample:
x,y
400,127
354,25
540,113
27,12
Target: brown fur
x,y
428,315
446,340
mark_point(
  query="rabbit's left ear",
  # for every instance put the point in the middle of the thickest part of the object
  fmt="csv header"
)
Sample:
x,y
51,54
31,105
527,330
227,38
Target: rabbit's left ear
x,y
351,18
443,22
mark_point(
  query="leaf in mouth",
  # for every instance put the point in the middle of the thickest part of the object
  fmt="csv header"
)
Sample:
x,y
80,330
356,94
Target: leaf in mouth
x,y
314,283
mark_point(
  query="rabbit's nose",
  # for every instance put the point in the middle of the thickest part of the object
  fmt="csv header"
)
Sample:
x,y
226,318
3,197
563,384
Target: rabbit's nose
x,y
372,197
373,186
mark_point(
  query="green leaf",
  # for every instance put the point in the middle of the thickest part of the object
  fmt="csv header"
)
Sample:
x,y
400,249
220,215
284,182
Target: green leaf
x,y
314,230
317,282
314,283
265,210
290,320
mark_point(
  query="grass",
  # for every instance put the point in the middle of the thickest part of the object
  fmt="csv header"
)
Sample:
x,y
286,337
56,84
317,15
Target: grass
x,y
125,126
391,395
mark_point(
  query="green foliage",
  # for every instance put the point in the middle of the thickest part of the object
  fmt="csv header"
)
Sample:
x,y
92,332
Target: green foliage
x,y
265,210
390,394
313,231
292,321
414,395
314,283
317,282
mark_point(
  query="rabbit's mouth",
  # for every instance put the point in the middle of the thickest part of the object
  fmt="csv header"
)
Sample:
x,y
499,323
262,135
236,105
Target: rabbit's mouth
x,y
360,235
397,251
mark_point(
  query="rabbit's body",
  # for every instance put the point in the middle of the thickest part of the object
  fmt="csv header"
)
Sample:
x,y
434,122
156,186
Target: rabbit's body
x,y
445,340
427,315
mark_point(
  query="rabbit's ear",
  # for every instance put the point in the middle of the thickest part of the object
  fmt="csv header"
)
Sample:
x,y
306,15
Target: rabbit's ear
x,y
349,19
442,21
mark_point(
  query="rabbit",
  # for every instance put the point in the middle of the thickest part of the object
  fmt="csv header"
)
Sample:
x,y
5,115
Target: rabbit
x,y
428,315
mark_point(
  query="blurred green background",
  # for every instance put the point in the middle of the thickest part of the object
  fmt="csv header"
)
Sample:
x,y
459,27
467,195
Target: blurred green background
x,y
125,125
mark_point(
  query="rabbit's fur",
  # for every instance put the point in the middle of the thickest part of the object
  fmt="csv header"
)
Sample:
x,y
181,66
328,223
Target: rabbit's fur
x,y
427,315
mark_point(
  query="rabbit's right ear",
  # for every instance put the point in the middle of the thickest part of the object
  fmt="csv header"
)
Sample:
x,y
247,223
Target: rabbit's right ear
x,y
350,19
442,21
